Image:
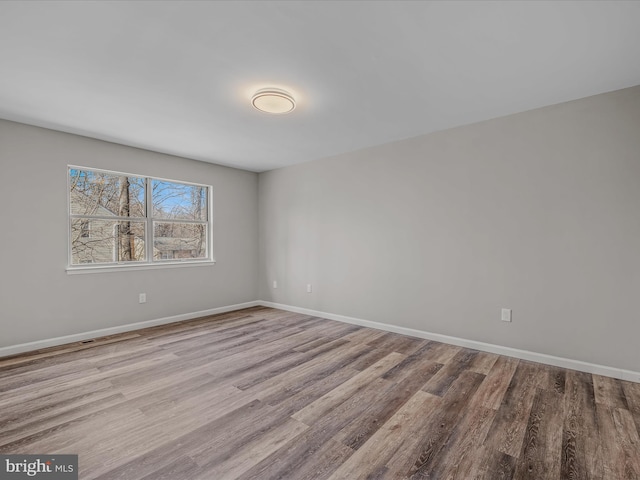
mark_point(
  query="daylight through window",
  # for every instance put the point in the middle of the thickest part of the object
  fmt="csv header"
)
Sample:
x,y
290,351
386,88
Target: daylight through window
x,y
117,218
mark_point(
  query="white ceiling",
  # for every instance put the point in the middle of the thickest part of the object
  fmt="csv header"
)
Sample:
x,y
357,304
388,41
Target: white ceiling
x,y
176,77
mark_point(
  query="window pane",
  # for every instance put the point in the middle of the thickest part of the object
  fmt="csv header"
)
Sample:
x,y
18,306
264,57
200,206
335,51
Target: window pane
x,y
179,240
106,241
177,201
98,193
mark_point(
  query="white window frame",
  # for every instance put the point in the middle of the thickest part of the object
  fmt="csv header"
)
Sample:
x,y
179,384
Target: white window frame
x,y
149,221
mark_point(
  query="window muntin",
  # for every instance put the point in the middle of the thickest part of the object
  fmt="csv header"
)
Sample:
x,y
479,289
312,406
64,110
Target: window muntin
x,y
117,218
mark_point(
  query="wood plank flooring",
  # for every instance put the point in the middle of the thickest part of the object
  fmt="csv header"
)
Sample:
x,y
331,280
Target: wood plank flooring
x,y
266,394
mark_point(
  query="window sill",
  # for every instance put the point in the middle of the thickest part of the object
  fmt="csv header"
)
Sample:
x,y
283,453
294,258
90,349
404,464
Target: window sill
x,y
77,270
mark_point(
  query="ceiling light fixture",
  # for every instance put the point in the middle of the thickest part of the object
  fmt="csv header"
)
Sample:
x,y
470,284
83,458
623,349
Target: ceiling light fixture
x,y
273,100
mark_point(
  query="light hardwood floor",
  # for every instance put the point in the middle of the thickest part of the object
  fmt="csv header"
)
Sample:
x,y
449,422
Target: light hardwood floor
x,y
266,394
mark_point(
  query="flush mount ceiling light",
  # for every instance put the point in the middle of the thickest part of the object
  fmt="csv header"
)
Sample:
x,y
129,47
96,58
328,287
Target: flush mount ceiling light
x,y
273,100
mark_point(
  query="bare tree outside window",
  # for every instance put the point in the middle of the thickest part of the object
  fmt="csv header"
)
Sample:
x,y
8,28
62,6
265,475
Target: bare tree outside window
x,y
111,222
179,211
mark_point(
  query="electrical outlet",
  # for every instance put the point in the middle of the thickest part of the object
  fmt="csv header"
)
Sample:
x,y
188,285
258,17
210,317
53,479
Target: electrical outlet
x,y
142,298
506,315
275,284
309,289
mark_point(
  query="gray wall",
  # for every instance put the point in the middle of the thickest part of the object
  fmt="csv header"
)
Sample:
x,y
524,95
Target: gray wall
x,y
39,300
538,212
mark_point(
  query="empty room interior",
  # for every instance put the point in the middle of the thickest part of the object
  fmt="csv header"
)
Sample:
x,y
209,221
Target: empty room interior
x,y
320,240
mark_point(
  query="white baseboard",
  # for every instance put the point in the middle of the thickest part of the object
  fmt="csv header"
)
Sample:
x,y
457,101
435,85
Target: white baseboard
x,y
621,374
78,337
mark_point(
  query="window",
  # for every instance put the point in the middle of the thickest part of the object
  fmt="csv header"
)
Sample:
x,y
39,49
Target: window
x,y
122,219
